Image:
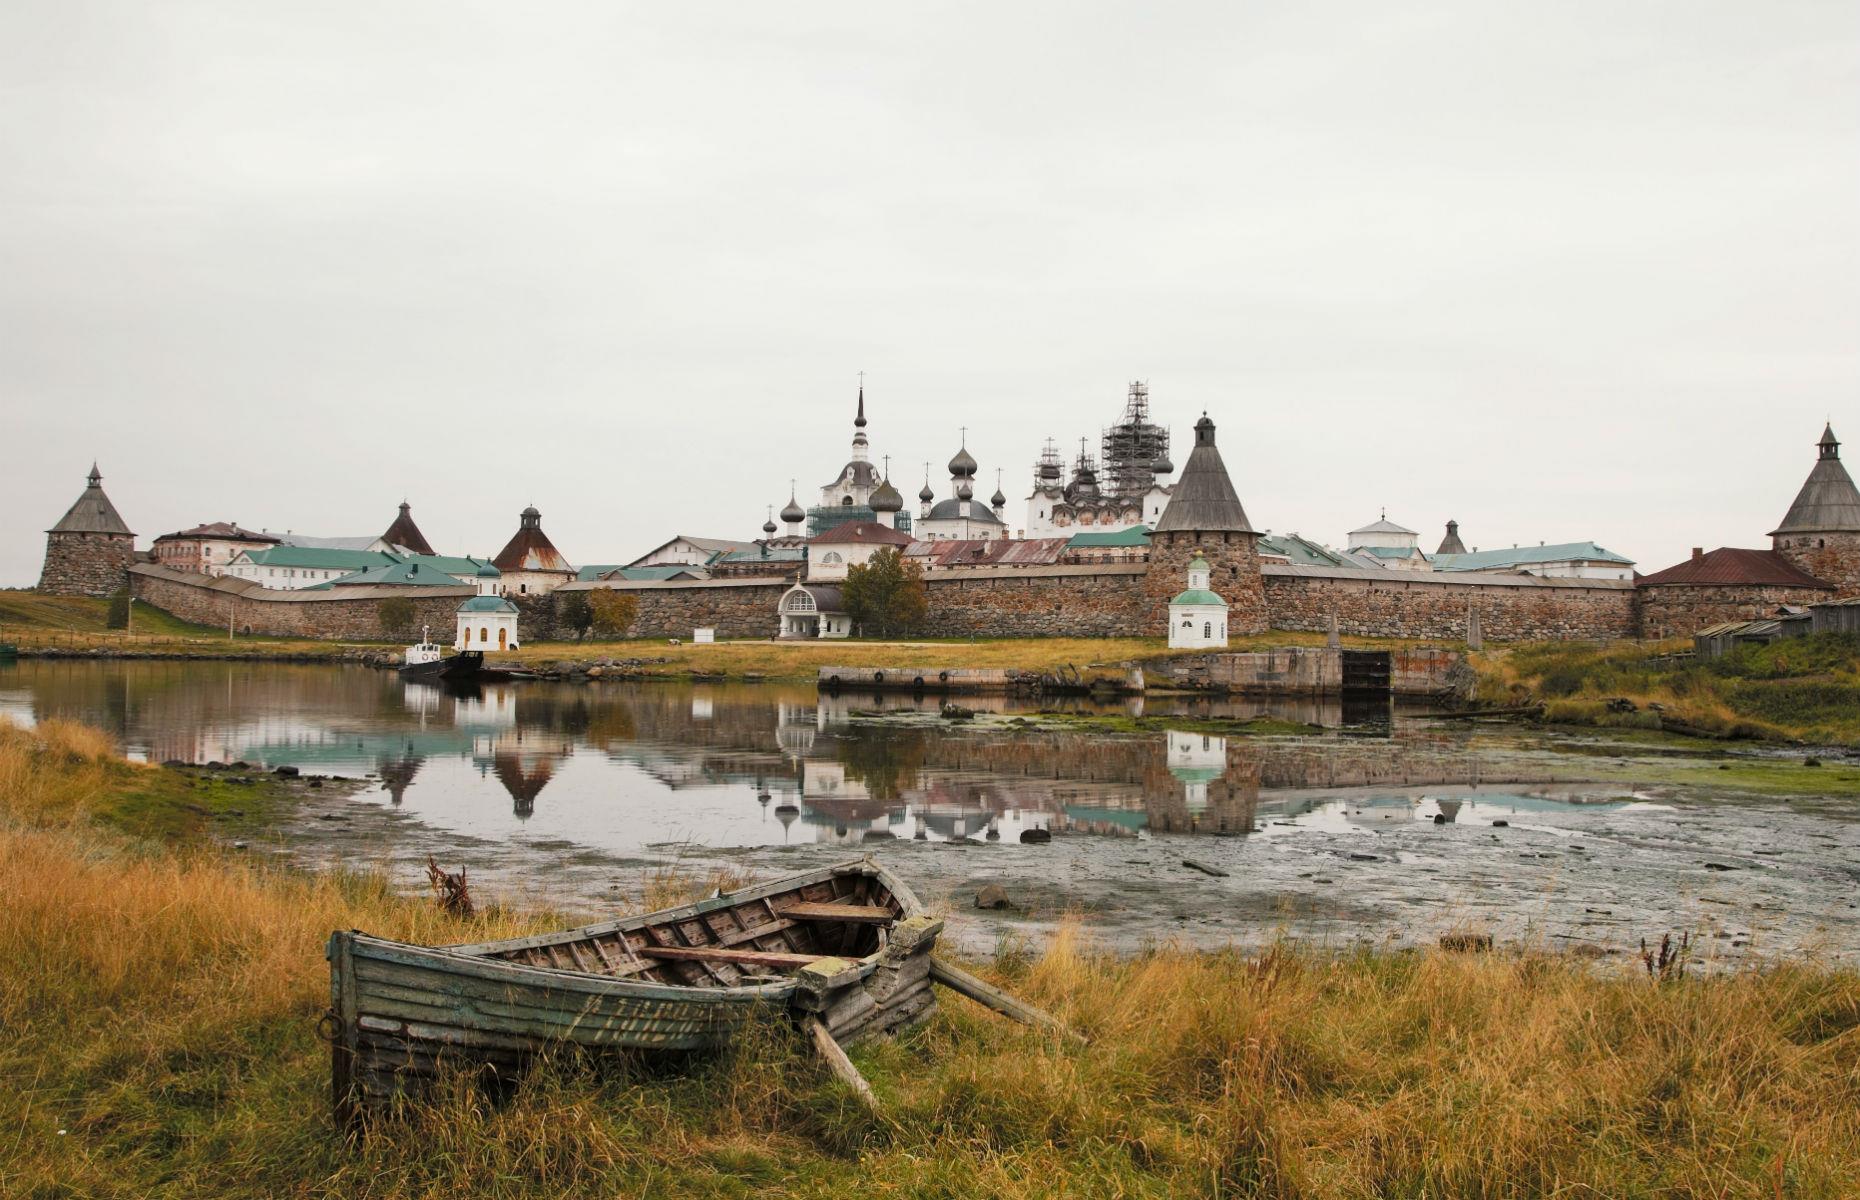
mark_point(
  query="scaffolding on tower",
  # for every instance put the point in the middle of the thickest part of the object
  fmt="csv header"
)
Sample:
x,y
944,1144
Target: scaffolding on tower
x,y
1131,447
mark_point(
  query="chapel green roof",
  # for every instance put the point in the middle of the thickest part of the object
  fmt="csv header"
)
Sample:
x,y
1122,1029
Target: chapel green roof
x,y
1198,596
487,604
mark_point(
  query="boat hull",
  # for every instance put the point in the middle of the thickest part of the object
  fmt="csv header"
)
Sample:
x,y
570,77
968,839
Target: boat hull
x,y
683,979
466,664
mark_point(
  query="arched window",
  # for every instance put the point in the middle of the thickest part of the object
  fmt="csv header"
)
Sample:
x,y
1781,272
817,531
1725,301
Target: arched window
x,y
484,633
1207,629
832,556
846,502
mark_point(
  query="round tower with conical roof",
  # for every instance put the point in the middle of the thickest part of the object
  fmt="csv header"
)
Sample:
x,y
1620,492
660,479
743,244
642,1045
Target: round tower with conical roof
x,y
1821,532
1205,519
89,551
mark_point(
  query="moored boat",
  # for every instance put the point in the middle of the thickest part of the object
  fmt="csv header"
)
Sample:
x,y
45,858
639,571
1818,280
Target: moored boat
x,y
843,948
427,659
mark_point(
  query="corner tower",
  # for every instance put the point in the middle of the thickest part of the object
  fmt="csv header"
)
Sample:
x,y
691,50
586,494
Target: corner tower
x,y
89,551
1204,517
1821,533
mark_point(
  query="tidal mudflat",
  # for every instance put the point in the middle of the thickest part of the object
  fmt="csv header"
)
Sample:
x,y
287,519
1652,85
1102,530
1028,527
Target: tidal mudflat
x,y
1390,828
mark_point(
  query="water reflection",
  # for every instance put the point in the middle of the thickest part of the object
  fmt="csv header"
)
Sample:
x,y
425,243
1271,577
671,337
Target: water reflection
x,y
621,767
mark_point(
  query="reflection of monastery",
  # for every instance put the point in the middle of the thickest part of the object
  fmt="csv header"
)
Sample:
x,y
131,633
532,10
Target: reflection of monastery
x,y
815,775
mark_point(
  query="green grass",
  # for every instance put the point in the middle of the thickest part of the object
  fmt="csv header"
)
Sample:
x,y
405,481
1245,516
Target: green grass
x,y
159,1010
1805,689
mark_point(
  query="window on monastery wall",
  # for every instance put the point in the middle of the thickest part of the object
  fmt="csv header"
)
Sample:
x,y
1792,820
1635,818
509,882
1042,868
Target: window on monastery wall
x,y
832,556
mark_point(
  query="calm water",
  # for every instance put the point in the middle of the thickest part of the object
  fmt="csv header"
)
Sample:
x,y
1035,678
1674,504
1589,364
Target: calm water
x,y
1377,828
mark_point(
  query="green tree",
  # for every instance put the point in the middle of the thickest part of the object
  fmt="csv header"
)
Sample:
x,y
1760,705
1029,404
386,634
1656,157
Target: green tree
x,y
396,615
613,611
574,613
885,596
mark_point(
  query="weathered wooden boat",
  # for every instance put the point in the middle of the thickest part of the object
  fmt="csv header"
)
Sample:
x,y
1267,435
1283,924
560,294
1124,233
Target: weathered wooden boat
x,y
844,950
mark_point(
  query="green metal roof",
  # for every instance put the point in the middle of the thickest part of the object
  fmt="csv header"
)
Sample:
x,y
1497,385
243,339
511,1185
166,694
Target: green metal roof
x,y
1198,596
487,604
667,571
774,554
1136,535
594,571
1299,551
1389,551
317,557
395,574
1524,556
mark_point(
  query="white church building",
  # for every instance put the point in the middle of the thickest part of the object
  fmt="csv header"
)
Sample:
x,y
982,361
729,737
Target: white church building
x,y
1198,617
487,621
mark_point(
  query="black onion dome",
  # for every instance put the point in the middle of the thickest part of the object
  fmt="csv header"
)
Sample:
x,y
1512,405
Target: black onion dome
x,y
1162,466
768,527
997,499
886,498
962,466
926,495
964,491
792,513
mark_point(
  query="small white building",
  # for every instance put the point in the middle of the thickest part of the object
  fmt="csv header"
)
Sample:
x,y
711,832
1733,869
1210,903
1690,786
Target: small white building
x,y
832,553
813,611
1383,543
487,621
1198,617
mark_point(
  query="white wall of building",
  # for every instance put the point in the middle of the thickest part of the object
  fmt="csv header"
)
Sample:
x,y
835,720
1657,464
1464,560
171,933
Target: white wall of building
x,y
488,631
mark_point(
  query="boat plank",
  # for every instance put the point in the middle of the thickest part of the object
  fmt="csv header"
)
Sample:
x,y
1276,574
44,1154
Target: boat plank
x,y
858,914
752,958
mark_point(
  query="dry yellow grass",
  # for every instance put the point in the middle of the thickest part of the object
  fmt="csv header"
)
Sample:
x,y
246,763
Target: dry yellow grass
x,y
157,1009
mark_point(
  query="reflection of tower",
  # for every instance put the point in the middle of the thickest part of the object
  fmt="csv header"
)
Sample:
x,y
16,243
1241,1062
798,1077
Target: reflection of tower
x,y
786,813
397,774
523,784
1219,786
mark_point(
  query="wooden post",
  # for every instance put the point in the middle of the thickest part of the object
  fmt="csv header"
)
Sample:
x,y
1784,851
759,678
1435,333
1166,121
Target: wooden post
x,y
836,1058
988,996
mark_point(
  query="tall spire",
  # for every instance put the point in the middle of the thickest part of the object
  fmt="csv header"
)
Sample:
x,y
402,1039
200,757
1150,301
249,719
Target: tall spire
x,y
95,477
859,421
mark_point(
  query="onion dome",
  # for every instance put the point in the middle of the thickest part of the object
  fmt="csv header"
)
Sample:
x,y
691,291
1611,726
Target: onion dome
x,y
791,512
997,500
1051,469
925,494
1162,466
487,571
768,527
962,466
886,498
964,491
859,421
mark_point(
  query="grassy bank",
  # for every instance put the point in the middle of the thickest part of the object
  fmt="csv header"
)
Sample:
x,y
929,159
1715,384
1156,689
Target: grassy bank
x,y
159,1002
79,625
1801,688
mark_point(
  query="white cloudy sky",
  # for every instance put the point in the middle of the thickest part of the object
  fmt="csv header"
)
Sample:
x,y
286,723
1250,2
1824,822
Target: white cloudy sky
x,y
1562,271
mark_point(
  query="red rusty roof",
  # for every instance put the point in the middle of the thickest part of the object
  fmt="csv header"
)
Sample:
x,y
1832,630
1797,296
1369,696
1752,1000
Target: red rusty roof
x,y
1730,566
223,530
989,552
866,532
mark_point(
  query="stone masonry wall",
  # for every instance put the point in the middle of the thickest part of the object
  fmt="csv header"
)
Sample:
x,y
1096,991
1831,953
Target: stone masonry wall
x,y
735,609
1429,606
1234,574
1834,557
1100,601
340,613
86,564
1679,610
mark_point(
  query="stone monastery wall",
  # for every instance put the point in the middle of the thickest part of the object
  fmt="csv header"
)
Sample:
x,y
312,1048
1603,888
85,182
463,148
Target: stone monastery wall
x,y
1104,600
1394,604
350,612
1678,610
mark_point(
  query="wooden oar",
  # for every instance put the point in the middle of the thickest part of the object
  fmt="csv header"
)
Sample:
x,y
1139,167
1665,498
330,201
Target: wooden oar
x,y
836,1058
988,996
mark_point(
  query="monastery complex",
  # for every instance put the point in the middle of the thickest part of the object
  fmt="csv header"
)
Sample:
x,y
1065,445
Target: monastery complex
x,y
1108,543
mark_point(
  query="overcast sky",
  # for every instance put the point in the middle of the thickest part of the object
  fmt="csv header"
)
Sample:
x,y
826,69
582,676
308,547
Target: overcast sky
x,y
1560,270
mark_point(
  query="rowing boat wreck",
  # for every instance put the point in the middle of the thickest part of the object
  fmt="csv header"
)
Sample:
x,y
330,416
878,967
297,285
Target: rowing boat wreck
x,y
844,951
